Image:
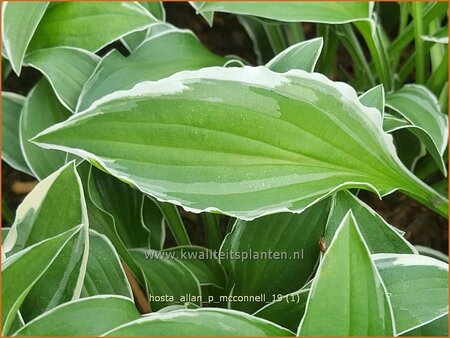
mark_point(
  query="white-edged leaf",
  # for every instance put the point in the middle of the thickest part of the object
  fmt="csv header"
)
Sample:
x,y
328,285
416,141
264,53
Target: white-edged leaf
x,y
379,236
241,141
83,317
35,260
104,271
303,55
102,23
19,22
157,57
347,296
420,107
333,13
42,109
417,287
200,322
66,68
12,105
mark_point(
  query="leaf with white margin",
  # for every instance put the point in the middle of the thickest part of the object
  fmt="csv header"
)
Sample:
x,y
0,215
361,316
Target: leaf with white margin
x,y
426,251
417,287
286,311
134,40
200,322
157,57
12,105
374,97
420,107
123,204
35,260
156,8
19,22
347,290
333,13
104,223
104,271
438,327
409,147
293,239
303,55
208,16
102,23
379,236
166,276
83,317
42,109
66,68
55,205
246,142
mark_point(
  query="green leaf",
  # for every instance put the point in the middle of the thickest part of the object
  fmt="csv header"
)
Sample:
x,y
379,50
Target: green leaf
x,y
66,68
167,277
12,105
245,148
303,55
158,57
83,317
372,33
409,148
153,220
292,241
104,272
123,204
156,8
34,260
55,205
198,323
438,327
104,223
347,291
379,236
421,108
102,23
286,311
374,97
41,110
202,263
336,12
15,36
423,250
417,287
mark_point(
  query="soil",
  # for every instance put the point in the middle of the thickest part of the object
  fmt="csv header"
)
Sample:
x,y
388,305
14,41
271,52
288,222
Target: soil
x,y
227,36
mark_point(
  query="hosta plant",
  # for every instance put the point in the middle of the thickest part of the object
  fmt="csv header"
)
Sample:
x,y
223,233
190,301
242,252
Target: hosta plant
x,y
181,192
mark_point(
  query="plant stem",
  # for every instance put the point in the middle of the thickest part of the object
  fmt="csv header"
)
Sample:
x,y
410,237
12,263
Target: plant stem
x,y
417,13
377,51
351,43
296,32
403,22
432,11
438,79
213,233
175,223
275,36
